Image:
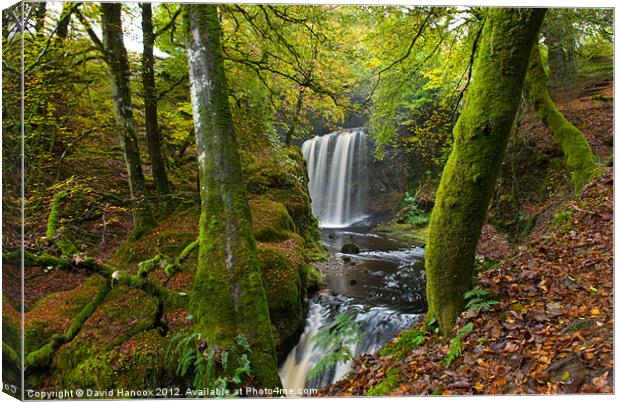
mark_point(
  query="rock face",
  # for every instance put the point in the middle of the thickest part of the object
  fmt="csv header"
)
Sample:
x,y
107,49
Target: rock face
x,y
123,343
389,178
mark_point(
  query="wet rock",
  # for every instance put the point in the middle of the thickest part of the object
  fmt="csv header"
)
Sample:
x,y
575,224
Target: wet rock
x,y
350,248
346,258
352,282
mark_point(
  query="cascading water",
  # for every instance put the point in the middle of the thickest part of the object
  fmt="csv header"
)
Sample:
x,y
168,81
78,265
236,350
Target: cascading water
x,y
382,287
338,177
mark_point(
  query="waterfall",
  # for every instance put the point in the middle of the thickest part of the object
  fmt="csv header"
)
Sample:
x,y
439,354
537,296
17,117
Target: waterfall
x,y
338,177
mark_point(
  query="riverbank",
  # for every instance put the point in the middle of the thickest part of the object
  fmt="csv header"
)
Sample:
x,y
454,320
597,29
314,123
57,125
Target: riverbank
x,y
549,331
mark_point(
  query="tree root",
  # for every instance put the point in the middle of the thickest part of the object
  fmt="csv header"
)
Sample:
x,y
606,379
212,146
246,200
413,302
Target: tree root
x,y
14,359
41,358
71,260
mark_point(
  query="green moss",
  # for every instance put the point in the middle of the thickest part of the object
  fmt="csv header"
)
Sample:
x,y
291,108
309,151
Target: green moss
x,y
406,232
270,220
287,279
168,238
388,384
313,279
579,157
144,365
37,335
283,179
55,232
282,279
94,372
41,358
11,325
10,353
562,220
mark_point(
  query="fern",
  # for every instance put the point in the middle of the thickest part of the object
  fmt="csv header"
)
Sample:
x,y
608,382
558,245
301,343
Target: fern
x,y
190,354
480,305
456,347
337,339
479,300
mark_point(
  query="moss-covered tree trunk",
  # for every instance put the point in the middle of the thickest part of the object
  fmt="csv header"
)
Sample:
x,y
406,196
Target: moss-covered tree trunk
x,y
576,148
153,138
228,297
480,138
116,56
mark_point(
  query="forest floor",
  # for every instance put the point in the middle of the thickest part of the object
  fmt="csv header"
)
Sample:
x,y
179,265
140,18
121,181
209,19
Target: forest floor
x,y
551,329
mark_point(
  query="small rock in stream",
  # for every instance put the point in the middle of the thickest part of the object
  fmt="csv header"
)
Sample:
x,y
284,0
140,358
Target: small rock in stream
x,y
350,248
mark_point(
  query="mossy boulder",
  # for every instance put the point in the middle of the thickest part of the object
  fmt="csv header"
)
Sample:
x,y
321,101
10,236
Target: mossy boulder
x,y
288,279
284,179
168,238
270,220
54,313
118,346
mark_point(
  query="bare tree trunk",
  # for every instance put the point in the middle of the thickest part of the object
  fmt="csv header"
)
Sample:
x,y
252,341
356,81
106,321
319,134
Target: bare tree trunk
x,y
116,56
153,138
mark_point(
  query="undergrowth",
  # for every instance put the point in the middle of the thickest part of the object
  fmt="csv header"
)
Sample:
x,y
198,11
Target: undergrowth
x,y
211,366
338,339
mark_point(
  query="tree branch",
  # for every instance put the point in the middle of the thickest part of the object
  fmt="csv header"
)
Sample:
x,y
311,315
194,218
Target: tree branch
x,y
89,30
168,24
402,58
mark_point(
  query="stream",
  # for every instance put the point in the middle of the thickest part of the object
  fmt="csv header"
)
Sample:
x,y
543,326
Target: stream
x,y
382,287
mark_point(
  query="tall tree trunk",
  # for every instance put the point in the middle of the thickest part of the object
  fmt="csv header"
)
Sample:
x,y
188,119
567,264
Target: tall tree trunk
x,y
228,297
559,35
150,103
576,148
62,29
480,138
116,56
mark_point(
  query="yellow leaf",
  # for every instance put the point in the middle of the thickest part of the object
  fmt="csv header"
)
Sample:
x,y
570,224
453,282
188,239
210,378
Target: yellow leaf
x,y
595,311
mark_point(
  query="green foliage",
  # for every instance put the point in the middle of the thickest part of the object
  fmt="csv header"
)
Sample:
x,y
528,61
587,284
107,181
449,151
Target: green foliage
x,y
407,341
212,367
338,340
479,300
415,216
455,350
